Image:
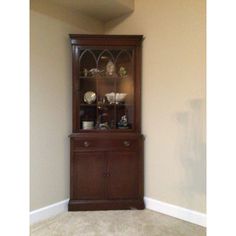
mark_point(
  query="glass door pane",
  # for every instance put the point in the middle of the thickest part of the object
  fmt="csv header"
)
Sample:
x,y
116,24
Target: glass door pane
x,y
125,90
106,86
87,85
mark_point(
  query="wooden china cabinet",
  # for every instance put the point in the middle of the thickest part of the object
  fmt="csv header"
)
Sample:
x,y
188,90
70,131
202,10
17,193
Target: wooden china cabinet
x,y
106,162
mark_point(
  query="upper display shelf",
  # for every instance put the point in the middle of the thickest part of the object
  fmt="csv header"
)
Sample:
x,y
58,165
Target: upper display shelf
x,y
106,83
105,63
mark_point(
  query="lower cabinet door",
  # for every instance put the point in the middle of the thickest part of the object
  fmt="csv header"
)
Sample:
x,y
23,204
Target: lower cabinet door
x,y
122,175
88,175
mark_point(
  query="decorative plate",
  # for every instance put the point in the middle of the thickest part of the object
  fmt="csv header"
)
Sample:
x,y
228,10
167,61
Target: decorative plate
x,y
90,97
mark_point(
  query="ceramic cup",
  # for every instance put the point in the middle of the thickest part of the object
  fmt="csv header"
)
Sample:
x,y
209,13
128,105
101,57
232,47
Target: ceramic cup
x,y
87,124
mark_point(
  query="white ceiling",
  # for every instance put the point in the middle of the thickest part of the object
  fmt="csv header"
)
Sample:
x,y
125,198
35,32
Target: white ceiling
x,y
103,10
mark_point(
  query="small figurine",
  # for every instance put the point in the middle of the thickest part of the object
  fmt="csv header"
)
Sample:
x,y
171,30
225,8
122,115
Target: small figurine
x,y
123,123
104,126
110,68
122,72
101,122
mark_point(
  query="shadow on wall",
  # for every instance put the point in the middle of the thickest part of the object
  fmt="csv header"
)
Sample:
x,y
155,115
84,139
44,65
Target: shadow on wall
x,y
113,23
192,149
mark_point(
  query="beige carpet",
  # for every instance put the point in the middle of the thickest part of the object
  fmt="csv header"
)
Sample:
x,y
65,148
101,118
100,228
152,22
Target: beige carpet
x,y
115,223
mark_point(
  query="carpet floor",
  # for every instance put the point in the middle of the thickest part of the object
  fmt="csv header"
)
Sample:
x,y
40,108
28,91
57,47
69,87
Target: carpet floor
x,y
115,223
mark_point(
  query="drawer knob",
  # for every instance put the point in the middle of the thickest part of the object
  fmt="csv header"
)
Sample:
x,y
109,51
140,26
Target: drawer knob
x,y
126,143
106,174
86,143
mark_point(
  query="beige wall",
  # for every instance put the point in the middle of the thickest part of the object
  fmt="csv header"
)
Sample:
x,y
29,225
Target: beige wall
x,y
68,15
173,97
50,107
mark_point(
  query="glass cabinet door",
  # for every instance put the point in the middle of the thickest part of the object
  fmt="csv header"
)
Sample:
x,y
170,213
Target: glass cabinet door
x,y
106,89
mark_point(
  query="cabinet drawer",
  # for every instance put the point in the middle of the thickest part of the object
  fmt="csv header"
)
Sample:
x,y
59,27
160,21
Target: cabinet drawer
x,y
95,144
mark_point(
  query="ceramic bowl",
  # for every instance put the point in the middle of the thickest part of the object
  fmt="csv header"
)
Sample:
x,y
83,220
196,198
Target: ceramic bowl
x,y
115,97
111,97
87,124
120,97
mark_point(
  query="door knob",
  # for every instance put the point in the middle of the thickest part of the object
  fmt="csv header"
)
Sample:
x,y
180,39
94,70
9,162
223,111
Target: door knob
x,y
126,143
86,143
106,174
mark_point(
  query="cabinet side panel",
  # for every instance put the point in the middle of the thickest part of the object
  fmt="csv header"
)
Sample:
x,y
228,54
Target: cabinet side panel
x,y
141,167
71,168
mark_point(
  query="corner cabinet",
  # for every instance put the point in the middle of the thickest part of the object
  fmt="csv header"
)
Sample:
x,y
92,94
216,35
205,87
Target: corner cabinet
x,y
106,162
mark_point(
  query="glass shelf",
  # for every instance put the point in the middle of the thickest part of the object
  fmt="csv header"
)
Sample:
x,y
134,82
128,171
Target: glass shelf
x,y
101,77
88,105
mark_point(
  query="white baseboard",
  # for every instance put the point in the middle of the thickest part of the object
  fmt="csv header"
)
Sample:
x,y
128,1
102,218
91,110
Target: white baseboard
x,y
48,211
152,204
176,211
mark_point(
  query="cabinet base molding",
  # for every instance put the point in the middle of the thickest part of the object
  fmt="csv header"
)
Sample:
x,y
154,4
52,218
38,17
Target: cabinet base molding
x,y
90,205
